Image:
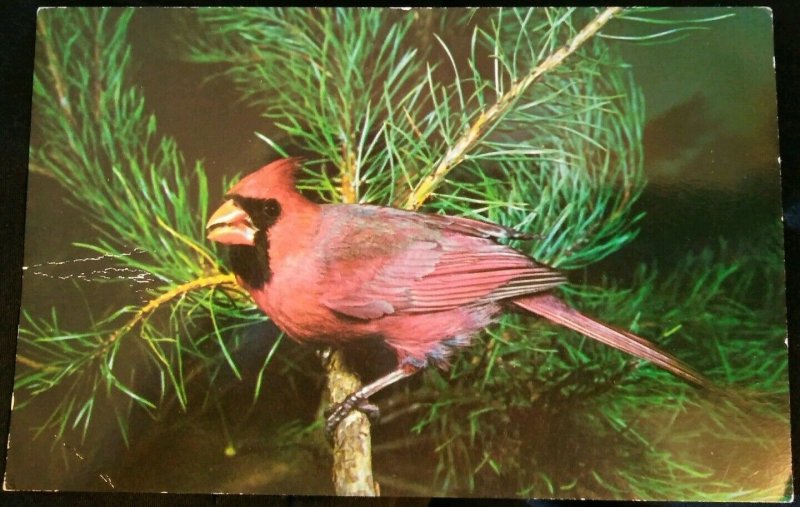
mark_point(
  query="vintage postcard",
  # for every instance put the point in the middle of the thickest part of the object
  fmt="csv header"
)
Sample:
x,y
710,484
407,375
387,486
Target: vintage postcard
x,y
521,253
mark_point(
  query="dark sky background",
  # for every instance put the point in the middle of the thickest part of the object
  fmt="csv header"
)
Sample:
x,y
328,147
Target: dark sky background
x,y
718,83
711,142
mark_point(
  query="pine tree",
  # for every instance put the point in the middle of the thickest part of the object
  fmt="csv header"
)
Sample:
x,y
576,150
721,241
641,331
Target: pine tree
x,y
535,123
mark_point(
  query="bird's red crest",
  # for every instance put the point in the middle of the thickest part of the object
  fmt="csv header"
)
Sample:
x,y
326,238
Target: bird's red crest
x,y
274,178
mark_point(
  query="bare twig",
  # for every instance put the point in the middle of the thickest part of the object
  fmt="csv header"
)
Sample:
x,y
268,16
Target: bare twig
x,y
455,155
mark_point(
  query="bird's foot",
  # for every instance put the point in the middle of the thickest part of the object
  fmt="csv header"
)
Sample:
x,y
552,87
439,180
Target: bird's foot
x,y
356,401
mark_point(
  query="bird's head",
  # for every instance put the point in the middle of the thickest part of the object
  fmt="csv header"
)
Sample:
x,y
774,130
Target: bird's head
x,y
254,204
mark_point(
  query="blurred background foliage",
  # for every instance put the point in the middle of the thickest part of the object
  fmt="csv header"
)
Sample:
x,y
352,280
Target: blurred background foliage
x,y
135,347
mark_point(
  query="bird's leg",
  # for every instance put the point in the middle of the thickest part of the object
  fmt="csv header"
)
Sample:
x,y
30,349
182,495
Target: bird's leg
x,y
360,399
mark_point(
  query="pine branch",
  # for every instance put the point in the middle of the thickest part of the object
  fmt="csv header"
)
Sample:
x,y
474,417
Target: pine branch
x,y
95,139
487,119
347,69
154,304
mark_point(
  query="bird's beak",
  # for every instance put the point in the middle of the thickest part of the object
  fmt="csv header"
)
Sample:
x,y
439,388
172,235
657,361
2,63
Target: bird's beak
x,y
231,225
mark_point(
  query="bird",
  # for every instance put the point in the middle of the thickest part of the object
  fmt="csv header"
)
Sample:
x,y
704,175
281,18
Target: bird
x,y
425,284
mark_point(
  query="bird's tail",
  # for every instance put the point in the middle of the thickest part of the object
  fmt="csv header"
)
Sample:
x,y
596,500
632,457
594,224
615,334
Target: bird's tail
x,y
554,309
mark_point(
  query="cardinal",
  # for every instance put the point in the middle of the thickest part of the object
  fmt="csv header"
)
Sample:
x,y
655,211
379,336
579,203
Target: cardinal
x,y
424,284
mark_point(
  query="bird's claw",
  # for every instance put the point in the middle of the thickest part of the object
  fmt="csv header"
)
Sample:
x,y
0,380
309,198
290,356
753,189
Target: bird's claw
x,y
336,413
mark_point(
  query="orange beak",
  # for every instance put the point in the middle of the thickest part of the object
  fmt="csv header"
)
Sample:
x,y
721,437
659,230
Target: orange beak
x,y
231,225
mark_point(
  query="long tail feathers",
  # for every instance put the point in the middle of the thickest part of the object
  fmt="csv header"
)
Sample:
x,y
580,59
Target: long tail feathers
x,y
552,308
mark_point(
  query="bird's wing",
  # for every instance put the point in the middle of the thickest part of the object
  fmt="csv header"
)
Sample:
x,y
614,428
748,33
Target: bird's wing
x,y
412,267
468,226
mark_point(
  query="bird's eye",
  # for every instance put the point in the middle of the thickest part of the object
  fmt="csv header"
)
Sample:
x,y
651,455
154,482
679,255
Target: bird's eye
x,y
271,208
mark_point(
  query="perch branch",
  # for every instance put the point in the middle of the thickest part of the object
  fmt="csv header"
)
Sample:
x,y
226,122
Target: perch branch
x,y
352,441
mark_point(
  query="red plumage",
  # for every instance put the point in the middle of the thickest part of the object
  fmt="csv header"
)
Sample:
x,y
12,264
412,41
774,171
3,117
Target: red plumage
x,y
425,284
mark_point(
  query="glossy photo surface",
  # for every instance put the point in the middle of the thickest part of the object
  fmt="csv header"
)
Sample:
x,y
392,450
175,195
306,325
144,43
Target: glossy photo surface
x,y
519,253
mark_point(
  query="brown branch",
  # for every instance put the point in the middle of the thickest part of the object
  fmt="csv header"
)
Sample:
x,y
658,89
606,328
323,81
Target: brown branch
x,y
352,440
489,117
35,365
348,174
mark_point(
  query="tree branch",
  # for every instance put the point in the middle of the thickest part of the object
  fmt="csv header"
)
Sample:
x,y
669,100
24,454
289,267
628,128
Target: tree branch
x,y
141,314
348,174
466,142
352,440
158,302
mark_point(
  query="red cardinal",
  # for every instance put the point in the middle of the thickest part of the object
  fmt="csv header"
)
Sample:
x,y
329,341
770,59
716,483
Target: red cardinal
x,y
424,284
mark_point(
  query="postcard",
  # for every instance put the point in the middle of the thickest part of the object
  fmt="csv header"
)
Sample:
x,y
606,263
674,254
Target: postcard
x,y
518,253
